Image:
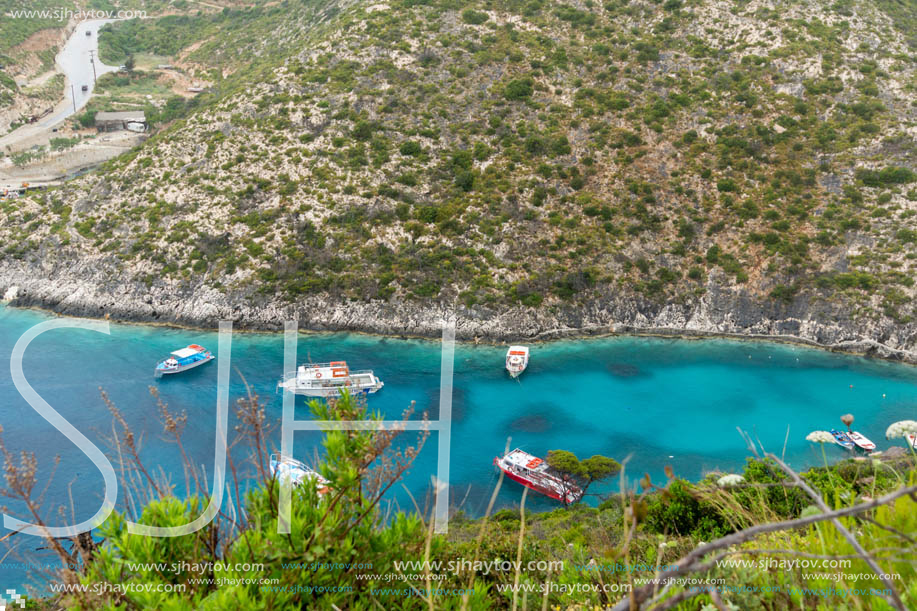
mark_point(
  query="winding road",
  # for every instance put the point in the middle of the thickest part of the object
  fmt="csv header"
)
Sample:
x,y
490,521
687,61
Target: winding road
x,y
75,63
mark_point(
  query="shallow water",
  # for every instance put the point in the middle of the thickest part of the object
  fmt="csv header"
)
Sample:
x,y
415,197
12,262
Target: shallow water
x,y
654,401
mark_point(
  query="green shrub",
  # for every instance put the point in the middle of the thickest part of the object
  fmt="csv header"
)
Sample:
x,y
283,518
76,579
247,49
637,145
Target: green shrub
x,y
410,148
473,17
678,511
519,89
886,176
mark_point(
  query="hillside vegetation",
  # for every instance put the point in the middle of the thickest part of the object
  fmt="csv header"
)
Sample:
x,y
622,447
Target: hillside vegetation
x,y
345,551
534,153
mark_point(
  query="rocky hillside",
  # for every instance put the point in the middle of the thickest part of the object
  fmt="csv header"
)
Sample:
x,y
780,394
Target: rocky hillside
x,y
533,164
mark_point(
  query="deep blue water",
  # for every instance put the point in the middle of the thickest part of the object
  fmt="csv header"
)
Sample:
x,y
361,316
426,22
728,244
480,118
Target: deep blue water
x,y
657,401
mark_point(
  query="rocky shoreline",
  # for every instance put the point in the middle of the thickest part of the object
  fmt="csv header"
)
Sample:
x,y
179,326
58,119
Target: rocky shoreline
x,y
720,312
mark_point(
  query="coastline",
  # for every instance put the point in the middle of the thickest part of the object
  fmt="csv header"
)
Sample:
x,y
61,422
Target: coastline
x,y
719,314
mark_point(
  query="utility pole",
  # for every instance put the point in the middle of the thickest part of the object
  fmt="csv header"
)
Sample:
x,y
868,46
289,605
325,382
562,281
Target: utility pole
x,y
92,61
73,96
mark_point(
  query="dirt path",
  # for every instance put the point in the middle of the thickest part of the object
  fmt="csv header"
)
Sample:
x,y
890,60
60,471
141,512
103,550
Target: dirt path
x,y
59,166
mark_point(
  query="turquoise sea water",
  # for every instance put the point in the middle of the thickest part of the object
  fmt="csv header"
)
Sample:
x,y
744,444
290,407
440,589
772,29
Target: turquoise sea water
x,y
654,401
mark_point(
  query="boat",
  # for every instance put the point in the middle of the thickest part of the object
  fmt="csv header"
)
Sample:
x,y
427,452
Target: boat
x,y
912,439
861,441
329,380
517,359
184,359
842,439
534,473
288,468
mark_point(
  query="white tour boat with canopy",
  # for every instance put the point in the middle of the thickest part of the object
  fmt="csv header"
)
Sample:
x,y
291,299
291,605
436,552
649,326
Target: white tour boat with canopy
x,y
517,359
184,359
329,380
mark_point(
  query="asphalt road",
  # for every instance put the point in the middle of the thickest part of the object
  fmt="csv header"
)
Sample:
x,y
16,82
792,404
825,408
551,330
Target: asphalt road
x,y
73,62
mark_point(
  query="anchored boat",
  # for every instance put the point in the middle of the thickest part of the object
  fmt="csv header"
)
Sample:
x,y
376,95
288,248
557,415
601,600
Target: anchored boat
x,y
329,380
533,473
182,360
842,439
912,439
517,359
861,441
288,468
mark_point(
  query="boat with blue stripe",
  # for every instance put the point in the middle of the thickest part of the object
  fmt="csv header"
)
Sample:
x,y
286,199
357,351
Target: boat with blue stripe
x,y
183,359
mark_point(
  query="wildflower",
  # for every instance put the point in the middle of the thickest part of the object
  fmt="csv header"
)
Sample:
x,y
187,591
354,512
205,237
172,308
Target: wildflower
x,y
810,511
848,420
820,437
901,428
729,480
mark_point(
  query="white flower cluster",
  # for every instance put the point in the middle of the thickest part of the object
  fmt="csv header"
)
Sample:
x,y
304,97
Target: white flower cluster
x,y
731,479
820,437
901,428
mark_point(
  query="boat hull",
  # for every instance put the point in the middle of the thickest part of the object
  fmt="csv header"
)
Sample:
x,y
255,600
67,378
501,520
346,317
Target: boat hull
x,y
324,393
531,485
861,442
517,359
164,372
841,439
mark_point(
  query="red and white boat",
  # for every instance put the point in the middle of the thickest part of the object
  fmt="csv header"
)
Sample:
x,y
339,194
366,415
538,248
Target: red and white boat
x,y
517,359
533,473
912,439
861,441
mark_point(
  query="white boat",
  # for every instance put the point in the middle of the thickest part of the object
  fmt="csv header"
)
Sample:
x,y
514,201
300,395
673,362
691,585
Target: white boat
x,y
861,441
517,359
912,439
182,360
329,380
287,468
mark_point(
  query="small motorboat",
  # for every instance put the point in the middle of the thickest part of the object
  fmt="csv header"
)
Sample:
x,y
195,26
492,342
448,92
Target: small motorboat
x,y
861,441
184,359
912,439
533,473
842,439
329,380
288,468
517,359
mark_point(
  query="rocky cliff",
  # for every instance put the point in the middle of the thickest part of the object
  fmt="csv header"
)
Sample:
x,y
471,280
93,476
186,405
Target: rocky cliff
x,y
720,311
540,168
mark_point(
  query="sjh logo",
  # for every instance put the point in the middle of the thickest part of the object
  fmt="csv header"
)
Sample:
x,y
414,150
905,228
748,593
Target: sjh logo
x,y
14,599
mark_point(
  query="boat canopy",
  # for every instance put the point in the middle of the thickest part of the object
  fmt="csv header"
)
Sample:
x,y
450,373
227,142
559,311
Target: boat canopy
x,y
521,458
185,353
